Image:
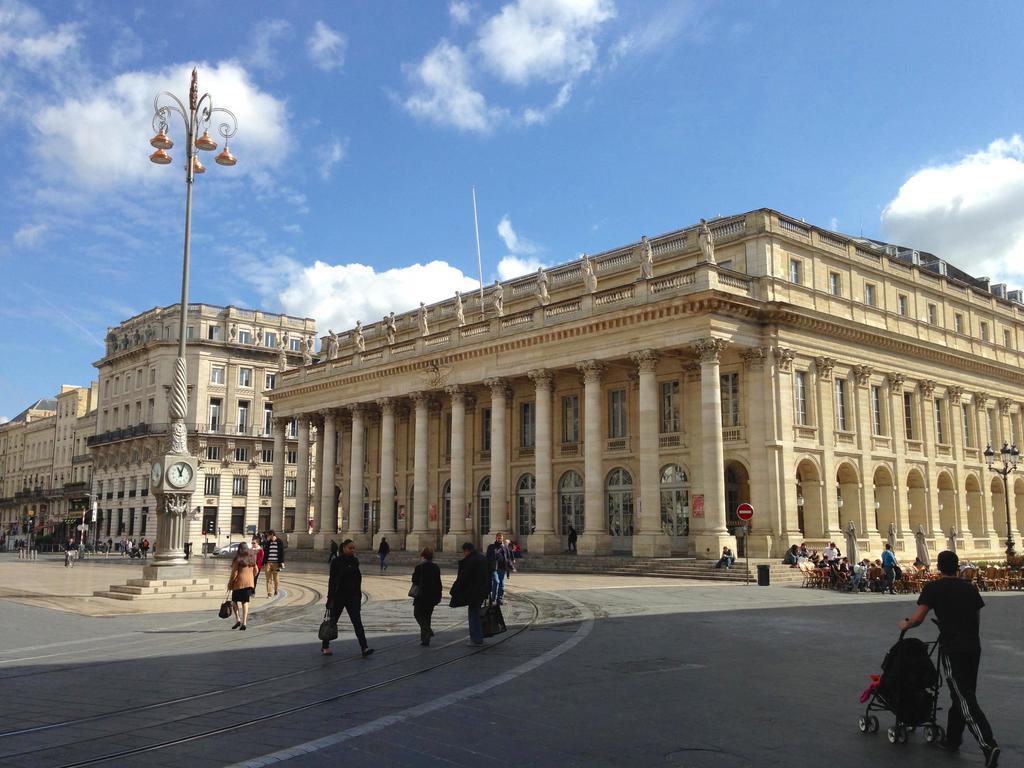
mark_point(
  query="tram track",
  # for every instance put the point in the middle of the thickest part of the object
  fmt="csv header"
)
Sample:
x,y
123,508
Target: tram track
x,y
277,714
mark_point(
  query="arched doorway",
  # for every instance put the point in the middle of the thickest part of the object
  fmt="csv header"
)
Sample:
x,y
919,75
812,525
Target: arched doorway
x,y
917,501
675,506
848,497
446,506
526,508
483,503
619,489
884,501
975,506
570,504
809,510
947,502
998,508
737,491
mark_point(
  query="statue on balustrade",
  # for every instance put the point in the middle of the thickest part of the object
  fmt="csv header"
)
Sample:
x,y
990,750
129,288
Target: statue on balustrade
x,y
589,278
282,353
331,343
542,287
232,332
706,241
424,326
498,298
389,327
307,351
357,337
646,259
259,336
460,314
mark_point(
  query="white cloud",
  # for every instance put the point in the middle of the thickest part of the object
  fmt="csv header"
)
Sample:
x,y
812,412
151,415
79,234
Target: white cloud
x,y
969,212
24,36
655,33
4,419
516,244
98,139
330,155
460,11
532,116
444,92
263,40
29,235
517,266
327,47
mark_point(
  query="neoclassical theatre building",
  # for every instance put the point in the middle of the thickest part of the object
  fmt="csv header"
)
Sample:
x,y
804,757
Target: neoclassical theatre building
x,y
640,395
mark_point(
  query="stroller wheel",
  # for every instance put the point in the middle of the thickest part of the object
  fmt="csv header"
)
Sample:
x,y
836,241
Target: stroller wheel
x,y
862,724
929,734
872,724
901,733
893,736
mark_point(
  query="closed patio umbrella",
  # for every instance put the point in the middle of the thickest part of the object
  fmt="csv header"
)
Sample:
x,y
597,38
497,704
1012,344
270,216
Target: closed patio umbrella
x,y
922,547
851,543
951,542
891,537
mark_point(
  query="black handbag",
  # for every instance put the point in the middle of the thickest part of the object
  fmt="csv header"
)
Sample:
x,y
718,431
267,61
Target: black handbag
x,y
328,628
414,591
225,609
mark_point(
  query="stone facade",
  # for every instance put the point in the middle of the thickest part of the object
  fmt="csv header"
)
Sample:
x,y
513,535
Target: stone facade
x,y
641,395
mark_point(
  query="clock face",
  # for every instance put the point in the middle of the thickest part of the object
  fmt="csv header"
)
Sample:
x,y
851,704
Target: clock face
x,y
156,473
179,474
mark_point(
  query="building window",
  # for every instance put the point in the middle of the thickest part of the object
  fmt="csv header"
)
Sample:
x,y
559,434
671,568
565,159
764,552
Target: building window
x,y
795,271
526,425
877,423
243,416
291,456
245,377
902,304
570,502
152,375
211,485
270,381
213,452
267,455
289,487
835,284
213,332
800,392
127,382
241,454
729,383
239,485
268,419
965,417
237,520
485,429
940,422
571,419
216,374
958,322
908,415
190,332
266,486
150,408
618,417
1006,338
670,406
841,422
675,501
869,294
270,340
933,314
984,330
526,505
619,491
295,344
244,336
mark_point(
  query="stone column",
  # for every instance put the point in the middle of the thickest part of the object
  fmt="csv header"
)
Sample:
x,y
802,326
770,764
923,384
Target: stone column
x,y
302,472
499,456
356,529
955,396
318,479
649,539
456,534
328,504
387,476
595,539
543,540
901,513
277,478
929,444
825,393
865,522
421,534
711,532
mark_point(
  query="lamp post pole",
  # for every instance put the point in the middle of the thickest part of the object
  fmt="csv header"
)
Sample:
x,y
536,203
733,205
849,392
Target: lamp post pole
x,y
1008,455
173,476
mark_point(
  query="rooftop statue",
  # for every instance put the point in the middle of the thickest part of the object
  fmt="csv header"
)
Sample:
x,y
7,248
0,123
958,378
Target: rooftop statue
x,y
589,278
706,241
646,259
460,315
358,338
389,327
424,326
542,287
498,298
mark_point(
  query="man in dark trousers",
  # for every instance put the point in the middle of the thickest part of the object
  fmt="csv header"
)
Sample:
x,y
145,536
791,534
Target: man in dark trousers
x,y
957,605
472,586
499,560
382,553
274,560
345,593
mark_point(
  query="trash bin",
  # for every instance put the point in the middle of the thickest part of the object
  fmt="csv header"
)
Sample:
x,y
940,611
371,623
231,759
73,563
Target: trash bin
x,y
188,550
763,575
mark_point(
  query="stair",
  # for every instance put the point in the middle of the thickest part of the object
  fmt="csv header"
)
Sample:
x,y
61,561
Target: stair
x,y
167,589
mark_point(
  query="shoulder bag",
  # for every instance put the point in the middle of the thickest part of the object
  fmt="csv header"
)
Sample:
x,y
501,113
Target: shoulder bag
x,y
328,629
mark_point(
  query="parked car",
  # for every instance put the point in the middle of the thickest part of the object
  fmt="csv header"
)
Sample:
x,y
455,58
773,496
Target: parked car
x,y
229,551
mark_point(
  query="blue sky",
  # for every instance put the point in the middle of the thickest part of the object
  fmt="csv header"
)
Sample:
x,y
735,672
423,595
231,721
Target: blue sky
x,y
582,123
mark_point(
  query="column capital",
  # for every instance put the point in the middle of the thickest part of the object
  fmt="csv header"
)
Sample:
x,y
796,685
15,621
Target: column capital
x,y
784,358
862,374
281,423
955,394
823,366
327,413
302,419
896,381
1004,406
386,405
358,408
980,398
645,360
753,356
591,370
927,387
710,349
498,386
456,392
420,397
542,378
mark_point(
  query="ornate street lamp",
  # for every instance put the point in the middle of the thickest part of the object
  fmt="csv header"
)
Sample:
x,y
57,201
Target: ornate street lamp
x,y
173,476
1008,456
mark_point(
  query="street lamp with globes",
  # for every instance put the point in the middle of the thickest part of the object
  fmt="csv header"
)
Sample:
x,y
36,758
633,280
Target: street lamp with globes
x,y
173,476
1008,456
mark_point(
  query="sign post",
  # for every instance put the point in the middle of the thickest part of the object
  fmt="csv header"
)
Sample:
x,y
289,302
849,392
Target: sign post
x,y
745,512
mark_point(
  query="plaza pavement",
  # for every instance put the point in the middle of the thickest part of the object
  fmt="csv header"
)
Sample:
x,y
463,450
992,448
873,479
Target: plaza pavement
x,y
617,671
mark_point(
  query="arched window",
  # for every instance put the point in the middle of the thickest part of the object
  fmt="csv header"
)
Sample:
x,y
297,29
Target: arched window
x,y
446,506
483,502
526,505
570,501
620,502
675,501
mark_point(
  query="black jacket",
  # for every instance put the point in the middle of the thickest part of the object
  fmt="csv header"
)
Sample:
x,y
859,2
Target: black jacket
x,y
384,548
473,583
428,576
346,582
492,558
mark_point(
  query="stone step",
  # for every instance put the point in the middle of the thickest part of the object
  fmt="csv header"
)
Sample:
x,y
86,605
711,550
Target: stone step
x,y
159,589
203,595
167,582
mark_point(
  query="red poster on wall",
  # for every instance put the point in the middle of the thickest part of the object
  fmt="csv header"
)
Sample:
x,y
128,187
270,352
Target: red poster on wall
x,y
698,505
401,511
432,511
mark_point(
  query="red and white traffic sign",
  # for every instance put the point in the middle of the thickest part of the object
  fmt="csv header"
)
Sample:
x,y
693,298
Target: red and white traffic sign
x,y
745,511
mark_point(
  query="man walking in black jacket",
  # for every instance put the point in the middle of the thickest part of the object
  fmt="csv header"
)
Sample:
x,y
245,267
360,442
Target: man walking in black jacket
x,y
472,586
345,593
274,561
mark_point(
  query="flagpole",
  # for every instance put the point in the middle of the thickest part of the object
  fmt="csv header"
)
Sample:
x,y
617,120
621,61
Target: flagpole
x,y
479,263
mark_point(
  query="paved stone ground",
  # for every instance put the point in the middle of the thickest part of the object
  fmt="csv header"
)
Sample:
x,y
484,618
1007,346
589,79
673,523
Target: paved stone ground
x,y
611,671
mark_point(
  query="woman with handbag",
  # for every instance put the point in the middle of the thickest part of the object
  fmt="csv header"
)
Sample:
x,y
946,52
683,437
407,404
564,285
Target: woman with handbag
x,y
344,593
425,593
242,584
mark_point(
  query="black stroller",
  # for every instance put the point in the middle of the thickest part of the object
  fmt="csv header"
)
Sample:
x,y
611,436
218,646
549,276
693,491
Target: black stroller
x,y
909,688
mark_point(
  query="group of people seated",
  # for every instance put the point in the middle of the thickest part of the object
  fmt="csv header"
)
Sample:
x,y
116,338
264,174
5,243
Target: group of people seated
x,y
837,571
